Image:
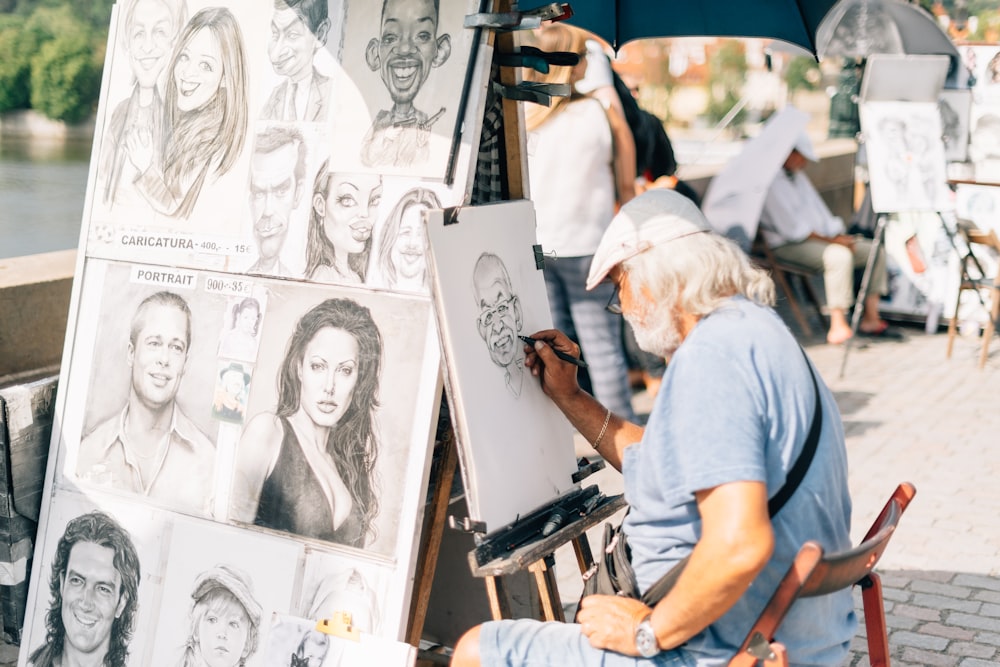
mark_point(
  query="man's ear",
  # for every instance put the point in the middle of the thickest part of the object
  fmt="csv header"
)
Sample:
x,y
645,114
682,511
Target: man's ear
x,y
322,32
371,54
319,203
121,605
443,51
518,321
130,356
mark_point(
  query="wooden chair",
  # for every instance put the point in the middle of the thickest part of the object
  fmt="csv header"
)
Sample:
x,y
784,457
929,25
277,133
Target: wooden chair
x,y
814,573
974,278
782,273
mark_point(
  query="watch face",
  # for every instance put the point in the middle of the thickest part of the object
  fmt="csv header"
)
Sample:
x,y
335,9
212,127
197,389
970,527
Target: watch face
x,y
645,640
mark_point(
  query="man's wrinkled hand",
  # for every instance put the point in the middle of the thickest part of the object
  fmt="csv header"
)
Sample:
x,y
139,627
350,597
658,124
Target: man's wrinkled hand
x,y
609,622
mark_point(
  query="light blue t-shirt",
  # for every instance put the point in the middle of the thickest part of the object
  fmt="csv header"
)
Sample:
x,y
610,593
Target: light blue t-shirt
x,y
736,404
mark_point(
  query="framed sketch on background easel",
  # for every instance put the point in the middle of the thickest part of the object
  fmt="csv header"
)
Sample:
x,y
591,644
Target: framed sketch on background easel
x,y
901,124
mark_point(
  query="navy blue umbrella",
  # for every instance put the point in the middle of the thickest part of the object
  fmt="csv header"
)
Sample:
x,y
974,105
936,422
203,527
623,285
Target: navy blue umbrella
x,y
621,21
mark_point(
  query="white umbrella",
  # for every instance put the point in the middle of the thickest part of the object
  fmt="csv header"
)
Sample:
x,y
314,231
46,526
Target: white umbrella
x,y
735,197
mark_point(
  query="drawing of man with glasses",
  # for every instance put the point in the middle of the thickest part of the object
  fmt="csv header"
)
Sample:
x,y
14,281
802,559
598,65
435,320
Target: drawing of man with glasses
x,y
499,320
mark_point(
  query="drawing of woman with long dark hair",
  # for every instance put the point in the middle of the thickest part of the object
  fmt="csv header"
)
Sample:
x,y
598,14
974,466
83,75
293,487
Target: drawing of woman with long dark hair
x,y
308,468
205,114
339,239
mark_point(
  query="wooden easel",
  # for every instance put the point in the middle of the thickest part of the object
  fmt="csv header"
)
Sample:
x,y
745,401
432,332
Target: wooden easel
x,y
536,556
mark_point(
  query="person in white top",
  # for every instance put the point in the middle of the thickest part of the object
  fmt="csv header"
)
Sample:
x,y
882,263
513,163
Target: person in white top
x,y
574,186
799,227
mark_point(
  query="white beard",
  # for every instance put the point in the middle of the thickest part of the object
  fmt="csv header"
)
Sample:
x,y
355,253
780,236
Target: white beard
x,y
656,331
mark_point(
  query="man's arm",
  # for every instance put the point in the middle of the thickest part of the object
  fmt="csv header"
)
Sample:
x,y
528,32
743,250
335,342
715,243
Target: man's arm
x,y
593,421
736,543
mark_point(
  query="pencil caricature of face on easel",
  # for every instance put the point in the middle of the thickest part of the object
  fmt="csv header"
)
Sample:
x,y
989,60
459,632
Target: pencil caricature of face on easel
x,y
404,54
499,320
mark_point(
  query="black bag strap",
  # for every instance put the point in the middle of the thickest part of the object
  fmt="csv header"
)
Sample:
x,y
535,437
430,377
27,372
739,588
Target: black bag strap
x,y
801,466
795,476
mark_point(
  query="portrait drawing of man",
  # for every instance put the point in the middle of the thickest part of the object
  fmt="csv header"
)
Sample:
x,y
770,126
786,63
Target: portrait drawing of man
x,y
499,320
93,591
150,447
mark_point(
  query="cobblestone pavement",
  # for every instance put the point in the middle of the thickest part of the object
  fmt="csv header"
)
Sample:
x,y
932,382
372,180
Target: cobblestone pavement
x,y
912,415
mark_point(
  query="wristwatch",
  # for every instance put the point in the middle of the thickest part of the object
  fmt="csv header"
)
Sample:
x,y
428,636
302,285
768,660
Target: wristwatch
x,y
645,639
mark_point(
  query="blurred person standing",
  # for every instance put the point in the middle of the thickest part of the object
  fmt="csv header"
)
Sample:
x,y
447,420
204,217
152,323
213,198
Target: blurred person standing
x,y
575,185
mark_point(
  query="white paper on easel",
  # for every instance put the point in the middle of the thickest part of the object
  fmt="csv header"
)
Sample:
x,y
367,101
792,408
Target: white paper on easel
x,y
515,447
907,169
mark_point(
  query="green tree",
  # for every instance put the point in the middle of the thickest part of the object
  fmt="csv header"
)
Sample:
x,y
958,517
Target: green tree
x,y
802,74
16,46
65,80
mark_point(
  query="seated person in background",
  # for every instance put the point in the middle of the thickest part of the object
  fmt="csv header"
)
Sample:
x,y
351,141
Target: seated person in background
x,y
730,420
801,230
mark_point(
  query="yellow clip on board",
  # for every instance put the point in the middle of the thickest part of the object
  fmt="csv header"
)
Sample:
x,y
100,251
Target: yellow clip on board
x,y
339,625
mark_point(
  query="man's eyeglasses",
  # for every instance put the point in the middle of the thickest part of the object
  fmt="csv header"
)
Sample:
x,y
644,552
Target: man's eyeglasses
x,y
487,317
614,303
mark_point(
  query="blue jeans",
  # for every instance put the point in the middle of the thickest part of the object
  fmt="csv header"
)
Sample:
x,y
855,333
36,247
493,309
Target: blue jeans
x,y
583,316
531,643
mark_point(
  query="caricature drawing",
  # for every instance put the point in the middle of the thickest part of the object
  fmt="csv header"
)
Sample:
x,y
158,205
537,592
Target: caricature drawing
x,y
308,468
150,447
205,115
402,253
148,32
339,239
277,179
499,320
93,591
225,620
298,29
404,54
312,649
230,402
240,342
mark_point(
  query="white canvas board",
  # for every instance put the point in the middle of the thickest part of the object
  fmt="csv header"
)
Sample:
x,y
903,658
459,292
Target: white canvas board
x,y
333,582
134,583
955,107
515,447
903,78
252,574
292,636
905,153
984,141
405,65
980,205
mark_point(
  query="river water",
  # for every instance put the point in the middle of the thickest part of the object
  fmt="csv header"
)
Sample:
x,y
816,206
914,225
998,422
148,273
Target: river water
x,y
42,187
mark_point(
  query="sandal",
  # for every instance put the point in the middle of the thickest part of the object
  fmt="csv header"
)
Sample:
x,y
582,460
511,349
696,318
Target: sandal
x,y
884,331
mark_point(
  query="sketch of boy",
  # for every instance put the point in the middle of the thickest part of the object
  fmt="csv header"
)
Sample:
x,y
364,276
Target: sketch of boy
x,y
148,32
299,28
499,320
404,54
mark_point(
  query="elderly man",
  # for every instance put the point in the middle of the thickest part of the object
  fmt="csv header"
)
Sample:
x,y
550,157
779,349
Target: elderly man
x,y
801,230
94,589
150,447
499,320
730,419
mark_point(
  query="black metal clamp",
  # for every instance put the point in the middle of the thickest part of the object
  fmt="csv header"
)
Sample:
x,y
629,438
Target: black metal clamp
x,y
520,20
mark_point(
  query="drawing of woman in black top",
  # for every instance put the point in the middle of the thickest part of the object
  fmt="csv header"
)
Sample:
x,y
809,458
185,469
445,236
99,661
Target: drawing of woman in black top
x,y
309,467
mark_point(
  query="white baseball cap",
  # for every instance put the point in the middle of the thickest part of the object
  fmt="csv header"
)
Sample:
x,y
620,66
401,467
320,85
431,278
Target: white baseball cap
x,y
653,218
804,145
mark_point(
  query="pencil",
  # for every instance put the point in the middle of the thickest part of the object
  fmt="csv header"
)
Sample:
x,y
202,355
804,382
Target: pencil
x,y
562,355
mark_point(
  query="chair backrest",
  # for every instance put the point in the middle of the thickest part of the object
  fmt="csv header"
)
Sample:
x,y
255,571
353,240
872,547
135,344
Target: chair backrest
x,y
814,573
847,568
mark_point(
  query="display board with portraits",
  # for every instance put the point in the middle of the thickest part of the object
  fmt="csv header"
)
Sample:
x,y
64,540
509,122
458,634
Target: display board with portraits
x,y
251,378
